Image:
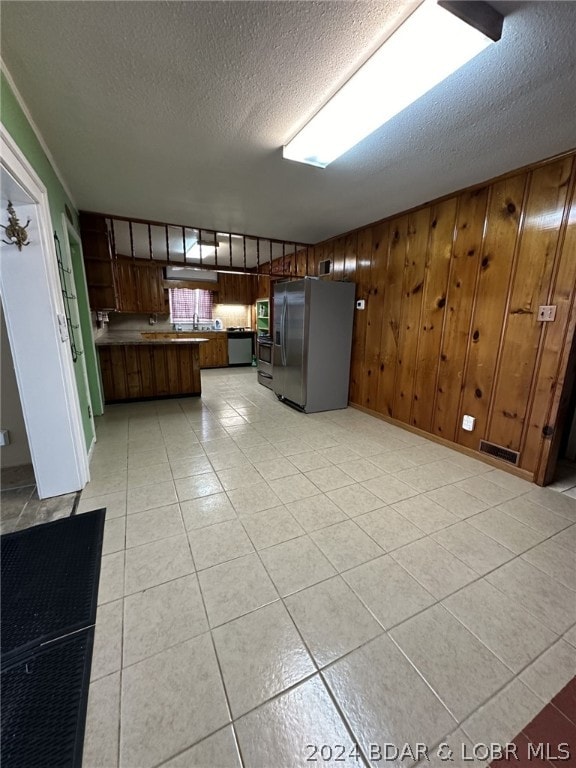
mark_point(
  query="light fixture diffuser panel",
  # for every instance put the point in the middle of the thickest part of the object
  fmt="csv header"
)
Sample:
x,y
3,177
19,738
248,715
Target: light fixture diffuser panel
x,y
429,46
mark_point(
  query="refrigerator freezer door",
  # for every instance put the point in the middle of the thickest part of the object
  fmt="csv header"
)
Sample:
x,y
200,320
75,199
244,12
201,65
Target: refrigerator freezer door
x,y
294,345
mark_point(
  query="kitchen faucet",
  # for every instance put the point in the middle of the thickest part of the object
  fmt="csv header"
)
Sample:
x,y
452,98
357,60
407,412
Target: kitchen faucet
x,y
195,321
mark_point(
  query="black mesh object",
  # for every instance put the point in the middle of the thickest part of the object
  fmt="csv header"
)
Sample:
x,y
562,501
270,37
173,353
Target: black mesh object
x,y
49,584
44,699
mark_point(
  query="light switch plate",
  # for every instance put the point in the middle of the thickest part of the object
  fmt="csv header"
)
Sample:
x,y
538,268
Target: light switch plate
x,y
547,313
468,423
63,326
361,304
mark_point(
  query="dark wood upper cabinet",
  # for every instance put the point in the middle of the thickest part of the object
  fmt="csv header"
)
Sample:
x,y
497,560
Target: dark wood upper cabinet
x,y
97,252
140,287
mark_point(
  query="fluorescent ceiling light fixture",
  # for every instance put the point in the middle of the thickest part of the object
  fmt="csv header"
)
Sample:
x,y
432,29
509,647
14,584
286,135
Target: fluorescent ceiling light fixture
x,y
201,249
428,47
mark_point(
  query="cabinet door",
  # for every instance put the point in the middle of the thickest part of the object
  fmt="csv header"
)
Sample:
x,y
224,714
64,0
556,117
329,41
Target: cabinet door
x,y
102,292
126,280
149,288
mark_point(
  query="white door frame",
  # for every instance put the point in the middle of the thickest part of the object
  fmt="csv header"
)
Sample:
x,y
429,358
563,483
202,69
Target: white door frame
x,y
34,313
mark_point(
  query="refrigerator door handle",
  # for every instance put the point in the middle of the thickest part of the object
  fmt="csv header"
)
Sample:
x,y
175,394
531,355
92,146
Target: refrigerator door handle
x,y
284,312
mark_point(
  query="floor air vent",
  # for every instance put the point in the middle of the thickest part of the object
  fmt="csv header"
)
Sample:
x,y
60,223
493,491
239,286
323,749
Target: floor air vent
x,y
512,457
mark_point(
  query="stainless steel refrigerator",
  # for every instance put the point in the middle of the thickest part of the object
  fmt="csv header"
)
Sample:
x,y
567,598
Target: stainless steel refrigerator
x,y
312,343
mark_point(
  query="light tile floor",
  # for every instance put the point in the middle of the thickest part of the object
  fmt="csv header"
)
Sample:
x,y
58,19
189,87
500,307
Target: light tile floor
x,y
277,584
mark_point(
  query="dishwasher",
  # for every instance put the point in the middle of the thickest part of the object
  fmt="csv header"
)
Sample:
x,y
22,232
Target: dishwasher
x,y
240,346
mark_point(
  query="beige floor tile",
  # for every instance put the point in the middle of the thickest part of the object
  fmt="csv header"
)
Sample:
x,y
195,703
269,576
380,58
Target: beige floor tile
x,y
293,488
197,486
107,653
547,599
255,498
186,467
233,460
235,588
157,562
161,617
389,489
152,525
291,446
151,496
180,688
182,453
316,512
566,538
346,545
216,441
331,619
361,469
388,590
219,543
144,456
102,723
460,669
114,535
455,749
393,461
114,503
207,510
425,513
457,501
217,750
103,486
504,716
551,671
313,720
385,700
339,454
389,528
309,460
473,547
111,585
273,526
554,560
507,480
426,477
239,477
508,630
296,564
329,478
556,502
506,530
486,491
355,500
274,469
534,516
434,567
263,452
140,476
261,654
570,636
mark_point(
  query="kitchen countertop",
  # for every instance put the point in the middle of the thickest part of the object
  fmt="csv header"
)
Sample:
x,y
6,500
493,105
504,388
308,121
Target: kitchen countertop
x,y
136,337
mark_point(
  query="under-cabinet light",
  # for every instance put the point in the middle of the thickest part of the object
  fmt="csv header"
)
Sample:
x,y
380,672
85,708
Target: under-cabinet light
x,y
429,46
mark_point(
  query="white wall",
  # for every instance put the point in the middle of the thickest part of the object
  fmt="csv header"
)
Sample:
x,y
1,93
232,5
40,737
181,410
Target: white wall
x,y
11,417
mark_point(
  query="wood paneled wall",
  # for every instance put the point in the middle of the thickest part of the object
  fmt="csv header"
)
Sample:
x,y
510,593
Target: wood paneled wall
x,y
452,293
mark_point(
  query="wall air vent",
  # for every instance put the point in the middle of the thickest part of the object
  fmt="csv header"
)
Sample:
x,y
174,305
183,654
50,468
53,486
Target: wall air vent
x,y
499,452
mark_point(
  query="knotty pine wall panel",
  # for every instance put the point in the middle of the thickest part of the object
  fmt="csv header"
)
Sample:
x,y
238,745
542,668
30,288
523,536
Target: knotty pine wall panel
x,y
438,257
452,292
367,362
459,305
537,250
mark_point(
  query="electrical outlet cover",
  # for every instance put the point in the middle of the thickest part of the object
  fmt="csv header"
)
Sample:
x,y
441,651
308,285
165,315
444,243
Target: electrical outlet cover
x,y
468,423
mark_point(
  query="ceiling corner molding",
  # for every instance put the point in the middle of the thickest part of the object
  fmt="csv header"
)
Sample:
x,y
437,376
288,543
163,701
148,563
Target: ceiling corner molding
x,y
24,107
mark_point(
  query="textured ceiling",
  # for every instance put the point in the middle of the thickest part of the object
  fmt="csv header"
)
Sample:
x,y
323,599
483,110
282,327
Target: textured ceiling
x,y
177,111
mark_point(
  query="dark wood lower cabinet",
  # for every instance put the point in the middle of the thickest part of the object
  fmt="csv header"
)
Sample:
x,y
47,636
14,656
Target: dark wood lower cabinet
x,y
136,371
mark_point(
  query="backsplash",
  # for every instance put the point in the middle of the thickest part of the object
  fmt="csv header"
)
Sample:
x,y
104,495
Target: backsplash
x,y
231,315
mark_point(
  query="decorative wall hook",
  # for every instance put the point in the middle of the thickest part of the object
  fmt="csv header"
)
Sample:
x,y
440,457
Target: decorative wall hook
x,y
15,231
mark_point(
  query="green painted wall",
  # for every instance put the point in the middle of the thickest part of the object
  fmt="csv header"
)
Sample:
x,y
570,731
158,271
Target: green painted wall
x,y
17,125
